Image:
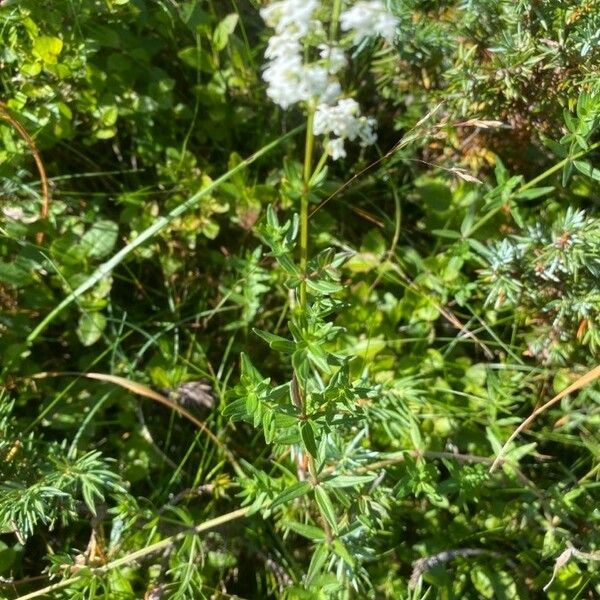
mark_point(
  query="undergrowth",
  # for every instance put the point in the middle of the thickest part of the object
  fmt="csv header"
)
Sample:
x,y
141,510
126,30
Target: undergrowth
x,y
268,338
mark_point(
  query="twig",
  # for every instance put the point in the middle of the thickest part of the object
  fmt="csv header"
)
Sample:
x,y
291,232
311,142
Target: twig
x,y
428,562
6,116
566,556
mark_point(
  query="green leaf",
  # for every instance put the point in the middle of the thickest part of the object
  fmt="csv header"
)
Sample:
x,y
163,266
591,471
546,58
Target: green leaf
x,y
342,552
319,357
100,239
308,531
196,58
493,583
299,488
109,115
8,556
307,431
567,170
532,193
223,30
326,507
276,341
324,287
15,274
316,562
105,133
250,374
236,410
559,150
47,48
447,233
342,481
587,169
90,327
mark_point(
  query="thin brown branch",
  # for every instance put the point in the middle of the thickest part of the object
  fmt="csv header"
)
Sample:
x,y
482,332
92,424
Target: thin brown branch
x,y
6,116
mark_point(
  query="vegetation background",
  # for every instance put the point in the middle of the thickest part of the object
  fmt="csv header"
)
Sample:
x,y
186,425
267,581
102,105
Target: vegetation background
x,y
464,294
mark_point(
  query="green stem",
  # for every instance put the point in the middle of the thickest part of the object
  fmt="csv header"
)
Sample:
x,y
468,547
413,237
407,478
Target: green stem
x,y
308,155
134,556
307,174
335,17
553,169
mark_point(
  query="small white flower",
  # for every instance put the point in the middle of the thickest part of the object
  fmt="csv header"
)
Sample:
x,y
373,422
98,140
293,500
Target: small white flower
x,y
293,15
368,18
316,83
345,121
335,148
284,76
334,56
366,131
283,46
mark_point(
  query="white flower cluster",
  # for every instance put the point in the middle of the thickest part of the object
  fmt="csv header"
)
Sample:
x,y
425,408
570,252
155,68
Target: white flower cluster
x,y
345,122
292,80
369,18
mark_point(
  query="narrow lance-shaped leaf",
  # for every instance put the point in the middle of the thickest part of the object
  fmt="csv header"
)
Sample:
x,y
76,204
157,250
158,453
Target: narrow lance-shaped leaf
x,y
326,507
294,491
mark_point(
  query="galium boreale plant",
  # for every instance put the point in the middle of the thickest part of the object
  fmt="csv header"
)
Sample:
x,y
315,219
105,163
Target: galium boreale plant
x,y
317,484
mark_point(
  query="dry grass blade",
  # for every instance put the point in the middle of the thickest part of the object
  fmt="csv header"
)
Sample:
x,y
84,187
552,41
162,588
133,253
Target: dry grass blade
x,y
143,390
581,382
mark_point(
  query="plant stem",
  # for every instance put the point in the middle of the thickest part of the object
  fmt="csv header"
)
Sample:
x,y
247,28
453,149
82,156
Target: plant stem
x,y
335,17
129,558
306,177
308,154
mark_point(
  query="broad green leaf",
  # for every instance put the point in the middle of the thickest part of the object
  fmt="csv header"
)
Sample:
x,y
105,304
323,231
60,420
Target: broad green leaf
x,y
8,556
559,150
223,30
105,133
236,410
342,552
494,584
15,274
109,115
196,58
90,327
100,239
47,48
324,287
587,169
249,371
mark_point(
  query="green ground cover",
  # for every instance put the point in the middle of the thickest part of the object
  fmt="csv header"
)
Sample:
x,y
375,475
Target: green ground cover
x,y
249,350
